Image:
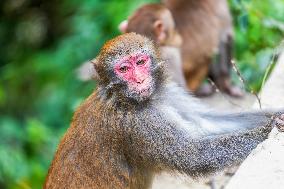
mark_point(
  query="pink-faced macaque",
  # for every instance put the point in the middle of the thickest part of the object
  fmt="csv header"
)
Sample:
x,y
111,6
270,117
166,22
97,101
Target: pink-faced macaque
x,y
138,123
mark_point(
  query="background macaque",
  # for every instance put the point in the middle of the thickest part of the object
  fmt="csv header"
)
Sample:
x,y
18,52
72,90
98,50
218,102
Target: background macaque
x,y
137,123
155,21
207,32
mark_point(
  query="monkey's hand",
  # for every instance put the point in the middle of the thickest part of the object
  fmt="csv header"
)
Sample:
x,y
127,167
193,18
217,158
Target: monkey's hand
x,y
279,123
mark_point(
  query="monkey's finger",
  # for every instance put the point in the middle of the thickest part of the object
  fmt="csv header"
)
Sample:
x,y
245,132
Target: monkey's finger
x,y
279,123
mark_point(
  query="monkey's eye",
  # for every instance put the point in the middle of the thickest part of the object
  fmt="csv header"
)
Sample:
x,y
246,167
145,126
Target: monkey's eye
x,y
123,69
140,62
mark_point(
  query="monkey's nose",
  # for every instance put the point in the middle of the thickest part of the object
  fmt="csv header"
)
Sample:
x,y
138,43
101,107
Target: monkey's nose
x,y
140,81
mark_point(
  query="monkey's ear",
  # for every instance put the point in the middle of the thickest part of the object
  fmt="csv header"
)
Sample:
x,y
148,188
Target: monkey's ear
x,y
95,73
87,71
160,31
123,26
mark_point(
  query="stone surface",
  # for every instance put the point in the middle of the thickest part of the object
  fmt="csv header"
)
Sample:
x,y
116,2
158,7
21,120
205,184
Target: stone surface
x,y
264,168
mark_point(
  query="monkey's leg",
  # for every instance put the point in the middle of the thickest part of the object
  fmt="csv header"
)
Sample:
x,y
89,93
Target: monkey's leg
x,y
212,183
195,77
220,68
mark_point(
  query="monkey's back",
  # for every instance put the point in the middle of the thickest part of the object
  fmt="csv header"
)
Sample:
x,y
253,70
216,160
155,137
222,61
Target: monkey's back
x,y
202,24
89,155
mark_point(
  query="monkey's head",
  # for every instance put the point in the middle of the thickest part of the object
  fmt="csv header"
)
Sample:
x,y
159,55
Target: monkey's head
x,y
129,66
157,24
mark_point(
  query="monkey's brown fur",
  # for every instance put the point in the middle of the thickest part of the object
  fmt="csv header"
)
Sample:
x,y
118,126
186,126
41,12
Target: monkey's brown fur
x,y
119,140
149,14
202,24
92,152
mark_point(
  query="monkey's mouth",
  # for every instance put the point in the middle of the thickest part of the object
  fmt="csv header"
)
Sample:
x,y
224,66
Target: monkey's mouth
x,y
144,89
141,94
144,92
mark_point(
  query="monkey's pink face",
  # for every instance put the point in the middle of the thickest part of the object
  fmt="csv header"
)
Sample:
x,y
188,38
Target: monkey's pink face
x,y
135,71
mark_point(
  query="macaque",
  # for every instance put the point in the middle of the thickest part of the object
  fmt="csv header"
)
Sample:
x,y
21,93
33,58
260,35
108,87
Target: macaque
x,y
207,32
155,21
138,123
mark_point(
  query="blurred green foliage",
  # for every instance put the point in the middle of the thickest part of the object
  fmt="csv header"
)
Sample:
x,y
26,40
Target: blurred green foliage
x,y
259,30
43,42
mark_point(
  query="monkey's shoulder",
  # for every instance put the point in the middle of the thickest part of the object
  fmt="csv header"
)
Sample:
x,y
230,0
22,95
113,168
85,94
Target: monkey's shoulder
x,y
95,114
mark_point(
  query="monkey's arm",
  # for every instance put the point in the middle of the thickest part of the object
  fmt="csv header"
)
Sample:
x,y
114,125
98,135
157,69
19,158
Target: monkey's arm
x,y
221,122
170,147
210,121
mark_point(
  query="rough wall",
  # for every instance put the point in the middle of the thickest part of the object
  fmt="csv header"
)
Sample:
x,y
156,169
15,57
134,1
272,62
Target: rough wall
x,y
264,168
